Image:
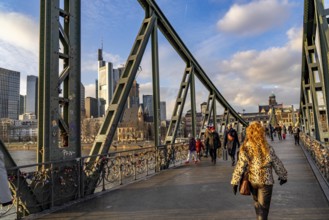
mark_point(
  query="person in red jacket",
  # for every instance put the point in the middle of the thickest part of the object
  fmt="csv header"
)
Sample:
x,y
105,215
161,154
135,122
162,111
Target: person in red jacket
x,y
198,146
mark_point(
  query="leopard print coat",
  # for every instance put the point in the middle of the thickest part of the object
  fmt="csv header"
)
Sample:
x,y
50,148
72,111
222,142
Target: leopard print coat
x,y
258,173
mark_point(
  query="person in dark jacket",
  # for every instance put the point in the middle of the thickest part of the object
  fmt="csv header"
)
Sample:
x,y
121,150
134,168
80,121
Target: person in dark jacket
x,y
213,143
231,142
296,131
191,150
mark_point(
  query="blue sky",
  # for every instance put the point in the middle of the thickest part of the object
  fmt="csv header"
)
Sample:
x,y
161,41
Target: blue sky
x,y
249,48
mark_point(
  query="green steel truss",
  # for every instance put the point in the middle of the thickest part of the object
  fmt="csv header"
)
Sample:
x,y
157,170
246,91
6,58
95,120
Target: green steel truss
x,y
116,108
60,82
207,114
179,106
155,19
59,86
314,79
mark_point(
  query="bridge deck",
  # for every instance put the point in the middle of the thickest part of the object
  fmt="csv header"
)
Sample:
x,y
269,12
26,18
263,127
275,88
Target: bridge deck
x,y
203,191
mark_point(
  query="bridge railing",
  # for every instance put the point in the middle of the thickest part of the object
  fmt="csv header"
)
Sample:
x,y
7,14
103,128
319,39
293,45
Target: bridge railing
x,y
62,182
319,153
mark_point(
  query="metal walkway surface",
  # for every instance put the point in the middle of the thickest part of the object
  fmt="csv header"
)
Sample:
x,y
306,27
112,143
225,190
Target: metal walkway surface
x,y
203,191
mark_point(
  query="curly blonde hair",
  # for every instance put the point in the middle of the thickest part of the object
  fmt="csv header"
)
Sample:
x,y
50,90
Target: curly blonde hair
x,y
255,144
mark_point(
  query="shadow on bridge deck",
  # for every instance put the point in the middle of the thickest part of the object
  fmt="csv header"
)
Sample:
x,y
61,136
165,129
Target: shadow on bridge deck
x,y
203,191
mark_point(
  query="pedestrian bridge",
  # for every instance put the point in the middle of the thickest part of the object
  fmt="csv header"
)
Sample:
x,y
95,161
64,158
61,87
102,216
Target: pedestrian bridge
x,y
203,191
163,188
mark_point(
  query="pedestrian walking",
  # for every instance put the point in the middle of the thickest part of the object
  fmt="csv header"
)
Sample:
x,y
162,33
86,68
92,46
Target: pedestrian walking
x,y
231,142
5,195
259,158
290,129
213,143
271,130
279,131
296,132
199,147
205,137
191,150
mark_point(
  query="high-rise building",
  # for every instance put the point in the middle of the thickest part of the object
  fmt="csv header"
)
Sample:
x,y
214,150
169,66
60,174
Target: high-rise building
x,y
116,76
31,105
91,107
96,88
133,98
9,93
163,112
148,104
105,83
22,99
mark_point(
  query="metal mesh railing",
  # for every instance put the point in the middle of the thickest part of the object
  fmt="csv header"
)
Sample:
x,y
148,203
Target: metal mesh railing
x,y
56,183
319,153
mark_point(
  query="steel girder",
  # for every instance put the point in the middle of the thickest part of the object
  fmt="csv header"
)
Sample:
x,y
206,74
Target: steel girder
x,y
115,110
154,19
314,81
179,106
156,85
173,38
206,118
59,92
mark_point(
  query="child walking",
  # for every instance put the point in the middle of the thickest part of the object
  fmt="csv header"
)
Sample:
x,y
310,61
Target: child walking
x,y
192,150
198,146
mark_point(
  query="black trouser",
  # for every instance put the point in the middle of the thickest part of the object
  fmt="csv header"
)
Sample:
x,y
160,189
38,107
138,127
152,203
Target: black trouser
x,y
213,154
279,136
262,196
296,139
231,151
207,150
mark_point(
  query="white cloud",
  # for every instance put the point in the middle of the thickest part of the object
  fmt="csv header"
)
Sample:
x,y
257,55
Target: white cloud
x,y
254,17
19,44
249,77
90,90
20,31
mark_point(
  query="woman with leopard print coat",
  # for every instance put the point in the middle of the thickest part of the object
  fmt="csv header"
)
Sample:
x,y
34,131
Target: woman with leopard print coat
x,y
260,158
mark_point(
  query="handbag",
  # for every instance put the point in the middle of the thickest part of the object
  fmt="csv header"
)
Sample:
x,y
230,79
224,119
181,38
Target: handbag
x,y
230,137
244,187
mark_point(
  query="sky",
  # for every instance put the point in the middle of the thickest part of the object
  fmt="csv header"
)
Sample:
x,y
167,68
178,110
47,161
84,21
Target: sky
x,y
248,48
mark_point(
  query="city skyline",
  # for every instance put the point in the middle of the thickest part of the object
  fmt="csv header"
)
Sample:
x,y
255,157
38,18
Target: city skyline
x,y
247,48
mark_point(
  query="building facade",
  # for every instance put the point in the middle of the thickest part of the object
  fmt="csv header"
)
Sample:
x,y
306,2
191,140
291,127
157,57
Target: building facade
x,y
163,111
32,95
91,107
135,126
148,104
9,93
105,83
22,99
133,98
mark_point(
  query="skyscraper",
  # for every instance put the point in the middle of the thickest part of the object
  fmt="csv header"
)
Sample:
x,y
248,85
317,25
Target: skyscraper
x,y
9,93
148,104
163,111
116,76
22,99
32,95
133,98
91,107
105,83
